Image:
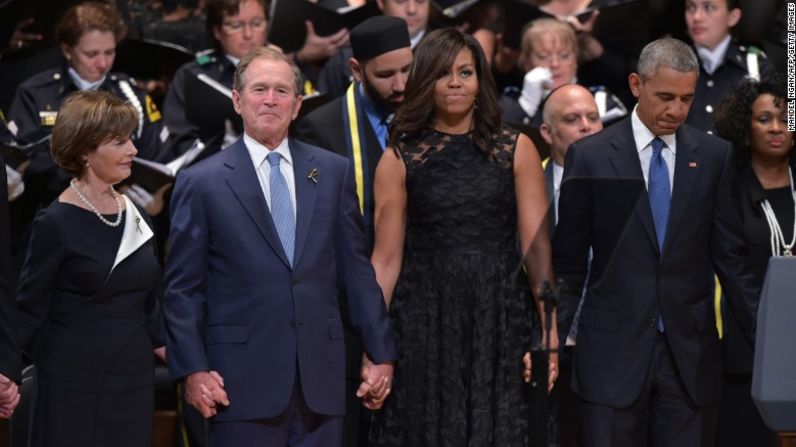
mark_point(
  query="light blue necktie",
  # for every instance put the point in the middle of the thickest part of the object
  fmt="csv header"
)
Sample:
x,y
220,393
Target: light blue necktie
x,y
660,197
281,206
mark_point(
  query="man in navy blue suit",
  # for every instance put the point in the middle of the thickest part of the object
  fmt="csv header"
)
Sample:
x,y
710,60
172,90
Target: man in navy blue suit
x,y
652,198
265,237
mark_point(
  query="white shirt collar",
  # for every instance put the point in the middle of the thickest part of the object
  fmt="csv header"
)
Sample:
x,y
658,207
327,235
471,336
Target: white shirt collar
x,y
643,136
232,59
258,151
558,174
81,83
712,59
413,41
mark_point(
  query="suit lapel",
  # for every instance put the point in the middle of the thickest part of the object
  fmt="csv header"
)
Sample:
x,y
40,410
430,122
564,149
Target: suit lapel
x,y
626,163
306,193
686,169
551,196
243,182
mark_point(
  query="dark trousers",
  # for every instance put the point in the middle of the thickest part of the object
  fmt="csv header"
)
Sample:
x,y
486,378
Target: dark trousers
x,y
297,426
662,416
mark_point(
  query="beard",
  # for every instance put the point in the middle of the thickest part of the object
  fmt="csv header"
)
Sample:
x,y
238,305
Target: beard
x,y
386,105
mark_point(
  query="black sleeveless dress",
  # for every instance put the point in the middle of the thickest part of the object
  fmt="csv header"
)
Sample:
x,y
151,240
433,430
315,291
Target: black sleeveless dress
x,y
461,310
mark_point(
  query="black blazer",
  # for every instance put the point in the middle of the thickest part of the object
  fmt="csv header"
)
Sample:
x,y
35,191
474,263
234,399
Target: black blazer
x,y
9,345
604,205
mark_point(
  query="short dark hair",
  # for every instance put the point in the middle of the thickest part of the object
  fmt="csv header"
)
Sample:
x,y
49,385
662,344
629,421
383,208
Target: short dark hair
x,y
85,120
215,10
269,54
85,17
432,57
734,113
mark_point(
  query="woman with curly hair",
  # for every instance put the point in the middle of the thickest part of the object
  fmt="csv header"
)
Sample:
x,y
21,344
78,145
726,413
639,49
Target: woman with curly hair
x,y
754,118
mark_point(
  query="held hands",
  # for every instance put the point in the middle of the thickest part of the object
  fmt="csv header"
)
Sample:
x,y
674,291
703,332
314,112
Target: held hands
x,y
535,86
376,383
9,397
204,390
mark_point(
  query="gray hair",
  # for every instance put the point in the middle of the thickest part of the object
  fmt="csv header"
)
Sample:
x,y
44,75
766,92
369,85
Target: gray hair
x,y
267,53
666,52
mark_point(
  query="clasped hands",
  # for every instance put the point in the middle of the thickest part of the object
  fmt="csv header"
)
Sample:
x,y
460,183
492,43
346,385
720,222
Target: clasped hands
x,y
376,383
204,390
9,397
552,364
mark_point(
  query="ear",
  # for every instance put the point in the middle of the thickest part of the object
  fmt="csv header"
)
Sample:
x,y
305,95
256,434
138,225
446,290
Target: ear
x,y
547,133
380,4
298,107
356,69
66,50
236,101
634,80
734,17
217,33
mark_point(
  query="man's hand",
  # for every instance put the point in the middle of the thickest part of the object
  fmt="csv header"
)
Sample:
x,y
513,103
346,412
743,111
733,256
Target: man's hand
x,y
376,383
9,397
317,48
204,390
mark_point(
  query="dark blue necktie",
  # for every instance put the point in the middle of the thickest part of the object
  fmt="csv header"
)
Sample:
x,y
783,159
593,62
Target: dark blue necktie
x,y
281,206
660,197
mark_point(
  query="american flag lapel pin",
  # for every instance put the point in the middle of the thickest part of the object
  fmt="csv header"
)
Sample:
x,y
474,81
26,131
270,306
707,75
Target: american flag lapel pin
x,y
692,164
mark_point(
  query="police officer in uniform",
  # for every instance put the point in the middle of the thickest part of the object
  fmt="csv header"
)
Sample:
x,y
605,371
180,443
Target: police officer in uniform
x,y
549,55
355,125
723,63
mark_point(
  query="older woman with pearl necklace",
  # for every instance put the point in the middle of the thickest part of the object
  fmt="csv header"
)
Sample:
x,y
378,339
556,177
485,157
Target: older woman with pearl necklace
x,y
88,292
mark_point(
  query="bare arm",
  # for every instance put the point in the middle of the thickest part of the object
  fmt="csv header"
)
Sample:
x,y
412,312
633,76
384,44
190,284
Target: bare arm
x,y
532,216
390,220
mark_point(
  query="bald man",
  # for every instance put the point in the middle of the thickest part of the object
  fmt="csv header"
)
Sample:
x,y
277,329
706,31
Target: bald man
x,y
569,114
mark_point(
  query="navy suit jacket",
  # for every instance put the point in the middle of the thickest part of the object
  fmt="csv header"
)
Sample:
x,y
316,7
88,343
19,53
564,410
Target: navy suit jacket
x,y
604,205
234,304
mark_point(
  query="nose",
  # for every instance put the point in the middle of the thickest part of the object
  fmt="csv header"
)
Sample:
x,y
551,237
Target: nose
x,y
400,83
103,63
776,126
454,81
132,149
411,7
269,98
585,125
698,14
248,31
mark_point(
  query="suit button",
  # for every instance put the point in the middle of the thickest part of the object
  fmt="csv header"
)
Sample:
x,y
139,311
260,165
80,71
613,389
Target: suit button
x,y
709,108
294,280
292,323
710,83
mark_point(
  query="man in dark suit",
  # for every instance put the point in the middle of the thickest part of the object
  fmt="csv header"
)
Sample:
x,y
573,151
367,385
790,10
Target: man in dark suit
x,y
355,126
647,362
265,235
569,114
9,349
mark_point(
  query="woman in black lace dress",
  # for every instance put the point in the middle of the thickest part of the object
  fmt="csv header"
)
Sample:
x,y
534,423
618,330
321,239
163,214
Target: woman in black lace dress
x,y
452,195
87,295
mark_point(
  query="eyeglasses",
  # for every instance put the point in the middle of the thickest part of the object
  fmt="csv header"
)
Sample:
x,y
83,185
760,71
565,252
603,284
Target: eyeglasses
x,y
238,26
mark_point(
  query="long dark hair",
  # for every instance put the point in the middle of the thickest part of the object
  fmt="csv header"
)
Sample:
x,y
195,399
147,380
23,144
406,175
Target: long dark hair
x,y
435,54
734,113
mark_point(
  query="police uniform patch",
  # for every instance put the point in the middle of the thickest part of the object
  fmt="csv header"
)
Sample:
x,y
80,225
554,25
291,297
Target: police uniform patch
x,y
47,117
152,111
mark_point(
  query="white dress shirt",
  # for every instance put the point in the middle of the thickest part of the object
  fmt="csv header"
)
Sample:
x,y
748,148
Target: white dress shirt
x,y
558,174
712,59
258,152
643,137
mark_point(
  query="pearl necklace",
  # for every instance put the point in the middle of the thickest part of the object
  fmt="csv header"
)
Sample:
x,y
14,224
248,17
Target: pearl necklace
x,y
102,218
777,238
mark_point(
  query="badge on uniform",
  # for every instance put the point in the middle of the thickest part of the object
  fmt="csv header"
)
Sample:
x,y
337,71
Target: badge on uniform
x,y
152,111
48,117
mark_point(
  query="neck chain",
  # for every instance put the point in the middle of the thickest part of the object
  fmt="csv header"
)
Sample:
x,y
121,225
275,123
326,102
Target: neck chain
x,y
777,238
91,206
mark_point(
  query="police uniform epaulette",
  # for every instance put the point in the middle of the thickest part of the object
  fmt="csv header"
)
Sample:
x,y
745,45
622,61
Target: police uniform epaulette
x,y
46,77
205,57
